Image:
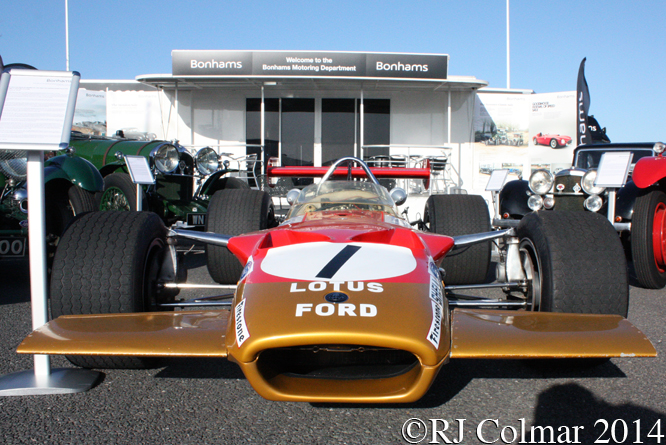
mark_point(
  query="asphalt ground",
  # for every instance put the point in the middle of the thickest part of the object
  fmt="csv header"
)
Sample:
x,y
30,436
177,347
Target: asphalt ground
x,y
208,401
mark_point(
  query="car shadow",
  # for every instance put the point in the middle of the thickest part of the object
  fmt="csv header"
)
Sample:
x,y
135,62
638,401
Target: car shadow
x,y
456,375
564,406
15,279
199,368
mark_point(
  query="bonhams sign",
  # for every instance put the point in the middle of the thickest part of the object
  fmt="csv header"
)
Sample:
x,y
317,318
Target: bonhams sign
x,y
309,64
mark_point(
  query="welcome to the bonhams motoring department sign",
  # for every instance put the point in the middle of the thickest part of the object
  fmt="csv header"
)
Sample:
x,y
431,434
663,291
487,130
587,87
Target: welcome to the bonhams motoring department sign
x,y
309,64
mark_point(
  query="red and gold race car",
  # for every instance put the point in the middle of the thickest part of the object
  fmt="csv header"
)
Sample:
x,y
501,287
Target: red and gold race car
x,y
344,301
554,140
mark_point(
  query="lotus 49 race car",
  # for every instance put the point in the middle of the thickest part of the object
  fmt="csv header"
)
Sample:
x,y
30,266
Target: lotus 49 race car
x,y
344,301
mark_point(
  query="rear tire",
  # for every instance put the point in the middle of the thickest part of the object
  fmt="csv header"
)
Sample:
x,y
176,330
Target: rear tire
x,y
454,215
60,209
107,262
577,261
234,212
648,239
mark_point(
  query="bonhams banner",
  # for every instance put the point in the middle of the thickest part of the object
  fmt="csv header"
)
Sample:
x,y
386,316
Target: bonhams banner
x,y
309,64
583,106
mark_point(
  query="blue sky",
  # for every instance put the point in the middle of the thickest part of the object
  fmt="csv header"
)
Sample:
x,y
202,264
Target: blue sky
x,y
623,41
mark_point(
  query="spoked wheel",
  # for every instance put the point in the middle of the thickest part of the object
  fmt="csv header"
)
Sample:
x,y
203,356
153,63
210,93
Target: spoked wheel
x,y
648,239
119,193
553,143
530,262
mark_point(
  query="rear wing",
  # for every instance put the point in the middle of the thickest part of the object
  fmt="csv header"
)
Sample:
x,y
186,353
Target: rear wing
x,y
356,172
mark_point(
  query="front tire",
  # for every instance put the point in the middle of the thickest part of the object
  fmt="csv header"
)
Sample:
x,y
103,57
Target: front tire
x,y
234,212
577,262
107,262
454,215
553,143
648,239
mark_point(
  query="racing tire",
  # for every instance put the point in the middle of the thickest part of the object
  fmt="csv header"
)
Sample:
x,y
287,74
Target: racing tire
x,y
60,209
576,262
119,193
107,262
454,215
648,239
553,143
225,183
234,212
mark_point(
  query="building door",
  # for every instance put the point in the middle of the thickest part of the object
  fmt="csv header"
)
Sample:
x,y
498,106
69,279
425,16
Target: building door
x,y
338,129
297,131
376,127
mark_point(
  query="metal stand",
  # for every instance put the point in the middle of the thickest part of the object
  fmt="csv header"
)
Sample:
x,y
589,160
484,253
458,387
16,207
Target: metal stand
x,y
57,381
41,380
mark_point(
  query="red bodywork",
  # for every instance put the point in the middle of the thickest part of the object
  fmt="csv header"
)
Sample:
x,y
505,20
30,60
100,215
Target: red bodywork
x,y
648,171
544,139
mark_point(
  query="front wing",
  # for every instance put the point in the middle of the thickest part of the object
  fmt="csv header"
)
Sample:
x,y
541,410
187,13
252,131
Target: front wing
x,y
475,333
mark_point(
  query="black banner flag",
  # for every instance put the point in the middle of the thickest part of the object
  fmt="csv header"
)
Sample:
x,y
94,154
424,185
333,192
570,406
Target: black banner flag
x,y
583,106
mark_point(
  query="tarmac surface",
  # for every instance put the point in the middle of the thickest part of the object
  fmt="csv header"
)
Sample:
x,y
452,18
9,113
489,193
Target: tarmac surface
x,y
208,401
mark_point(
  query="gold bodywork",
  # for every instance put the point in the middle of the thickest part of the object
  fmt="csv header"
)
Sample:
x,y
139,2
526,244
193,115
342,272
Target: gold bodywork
x,y
474,334
517,334
157,334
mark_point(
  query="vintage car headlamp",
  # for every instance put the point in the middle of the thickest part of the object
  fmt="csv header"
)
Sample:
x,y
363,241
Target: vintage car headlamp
x,y
535,202
659,147
166,158
541,181
207,161
588,183
593,203
548,202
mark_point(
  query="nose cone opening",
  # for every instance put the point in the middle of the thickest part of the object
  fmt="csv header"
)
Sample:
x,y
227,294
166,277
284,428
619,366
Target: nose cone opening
x,y
339,373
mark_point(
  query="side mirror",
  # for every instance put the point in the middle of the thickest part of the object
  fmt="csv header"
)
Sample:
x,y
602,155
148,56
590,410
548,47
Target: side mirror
x,y
398,195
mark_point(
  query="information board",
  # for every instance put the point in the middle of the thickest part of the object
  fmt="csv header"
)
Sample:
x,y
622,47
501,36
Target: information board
x,y
37,109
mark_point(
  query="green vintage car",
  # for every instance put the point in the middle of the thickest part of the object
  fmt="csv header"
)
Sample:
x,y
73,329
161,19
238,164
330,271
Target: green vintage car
x,y
70,187
185,185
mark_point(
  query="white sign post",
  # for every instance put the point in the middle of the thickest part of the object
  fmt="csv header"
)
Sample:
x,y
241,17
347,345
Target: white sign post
x,y
495,184
36,113
140,173
612,174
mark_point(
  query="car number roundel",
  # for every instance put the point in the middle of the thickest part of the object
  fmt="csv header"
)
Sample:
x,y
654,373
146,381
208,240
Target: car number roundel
x,y
322,261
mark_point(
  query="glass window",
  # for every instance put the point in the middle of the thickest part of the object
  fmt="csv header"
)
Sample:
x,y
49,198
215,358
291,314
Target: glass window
x,y
337,129
271,126
376,131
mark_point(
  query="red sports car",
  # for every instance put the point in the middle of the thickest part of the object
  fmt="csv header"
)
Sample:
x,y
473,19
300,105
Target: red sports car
x,y
554,140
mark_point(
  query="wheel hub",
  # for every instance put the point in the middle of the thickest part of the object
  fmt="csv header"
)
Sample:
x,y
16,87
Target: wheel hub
x,y
659,236
114,199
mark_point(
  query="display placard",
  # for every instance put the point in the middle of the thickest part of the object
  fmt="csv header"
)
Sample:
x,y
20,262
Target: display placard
x,y
497,180
37,109
613,169
139,169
